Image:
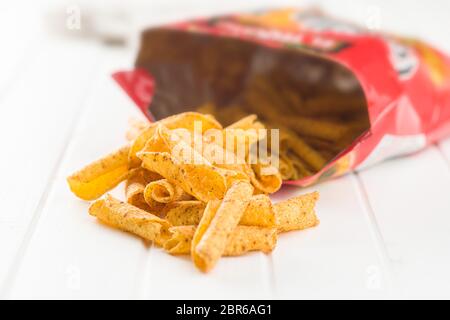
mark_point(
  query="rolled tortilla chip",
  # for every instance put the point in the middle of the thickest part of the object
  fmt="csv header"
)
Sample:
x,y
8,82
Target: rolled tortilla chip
x,y
297,213
286,167
259,212
246,131
184,213
266,178
202,181
183,120
303,150
129,218
182,147
300,166
163,191
322,129
266,89
243,239
248,122
135,186
217,224
99,177
304,126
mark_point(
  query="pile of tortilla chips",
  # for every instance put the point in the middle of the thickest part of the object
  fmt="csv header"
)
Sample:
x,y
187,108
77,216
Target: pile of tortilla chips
x,y
180,197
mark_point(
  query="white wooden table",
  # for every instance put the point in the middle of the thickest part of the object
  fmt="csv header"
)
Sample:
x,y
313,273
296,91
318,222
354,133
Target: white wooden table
x,y
384,232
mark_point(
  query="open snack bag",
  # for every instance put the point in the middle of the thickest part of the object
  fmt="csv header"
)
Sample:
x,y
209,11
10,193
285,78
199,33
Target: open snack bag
x,y
342,97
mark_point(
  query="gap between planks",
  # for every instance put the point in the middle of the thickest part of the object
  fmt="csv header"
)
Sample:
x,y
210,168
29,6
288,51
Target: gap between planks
x,y
377,236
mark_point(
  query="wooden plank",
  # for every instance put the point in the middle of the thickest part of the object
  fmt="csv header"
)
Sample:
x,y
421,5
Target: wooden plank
x,y
338,258
70,254
37,114
411,202
170,277
20,47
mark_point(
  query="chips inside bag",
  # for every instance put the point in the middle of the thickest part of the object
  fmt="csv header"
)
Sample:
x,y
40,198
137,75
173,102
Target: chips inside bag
x,y
342,96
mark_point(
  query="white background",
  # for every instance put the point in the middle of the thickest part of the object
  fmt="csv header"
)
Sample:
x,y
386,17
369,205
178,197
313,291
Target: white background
x,y
384,232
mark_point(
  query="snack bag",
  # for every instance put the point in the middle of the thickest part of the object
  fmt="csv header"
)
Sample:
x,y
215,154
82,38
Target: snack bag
x,y
342,96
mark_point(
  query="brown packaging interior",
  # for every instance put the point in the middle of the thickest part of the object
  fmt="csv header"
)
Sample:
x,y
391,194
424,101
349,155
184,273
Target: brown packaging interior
x,y
317,104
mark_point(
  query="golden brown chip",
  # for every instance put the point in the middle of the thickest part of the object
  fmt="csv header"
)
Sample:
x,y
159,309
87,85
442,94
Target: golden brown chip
x,y
163,191
202,181
100,176
217,224
297,145
286,167
185,120
297,213
243,239
135,186
184,213
129,218
259,212
266,178
311,127
248,122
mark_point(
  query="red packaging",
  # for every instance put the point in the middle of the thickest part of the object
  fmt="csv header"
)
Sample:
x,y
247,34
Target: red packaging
x,y
405,83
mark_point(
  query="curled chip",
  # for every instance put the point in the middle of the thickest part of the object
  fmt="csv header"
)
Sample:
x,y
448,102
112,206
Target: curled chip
x,y
163,191
185,120
297,213
266,178
303,150
243,239
202,181
248,122
135,186
183,148
286,167
259,212
129,218
217,224
100,176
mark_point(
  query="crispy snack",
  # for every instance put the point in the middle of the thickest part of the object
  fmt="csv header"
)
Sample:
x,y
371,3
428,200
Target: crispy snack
x,y
100,176
163,191
202,181
266,178
243,134
205,199
183,149
300,166
297,213
183,120
217,223
302,149
259,212
286,167
243,239
129,218
248,122
185,213
322,129
134,190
